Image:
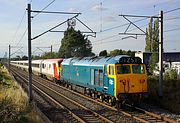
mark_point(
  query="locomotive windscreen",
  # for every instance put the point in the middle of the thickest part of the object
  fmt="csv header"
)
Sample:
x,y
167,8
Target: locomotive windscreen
x,y
130,60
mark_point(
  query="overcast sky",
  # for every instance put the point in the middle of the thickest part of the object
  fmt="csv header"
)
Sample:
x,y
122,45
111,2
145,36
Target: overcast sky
x,y
102,16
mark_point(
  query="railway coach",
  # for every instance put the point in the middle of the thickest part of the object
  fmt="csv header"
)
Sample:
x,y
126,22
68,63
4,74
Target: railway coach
x,y
113,79
48,68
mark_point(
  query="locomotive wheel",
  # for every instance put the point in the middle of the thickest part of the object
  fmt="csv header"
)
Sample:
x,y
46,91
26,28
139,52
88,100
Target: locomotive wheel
x,y
102,97
95,95
112,101
118,105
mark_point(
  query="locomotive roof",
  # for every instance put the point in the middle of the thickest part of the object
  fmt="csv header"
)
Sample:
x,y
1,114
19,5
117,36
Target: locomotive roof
x,y
94,61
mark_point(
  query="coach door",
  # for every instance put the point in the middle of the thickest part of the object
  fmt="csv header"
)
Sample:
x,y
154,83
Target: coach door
x,y
55,71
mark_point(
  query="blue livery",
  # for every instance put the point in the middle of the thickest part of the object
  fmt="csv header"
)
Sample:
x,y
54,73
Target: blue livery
x,y
90,72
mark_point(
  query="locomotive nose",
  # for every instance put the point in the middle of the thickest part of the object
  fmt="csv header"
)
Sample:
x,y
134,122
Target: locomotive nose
x,y
131,84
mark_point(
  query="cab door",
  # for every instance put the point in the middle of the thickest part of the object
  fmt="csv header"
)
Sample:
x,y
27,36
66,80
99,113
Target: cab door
x,y
55,71
111,79
106,79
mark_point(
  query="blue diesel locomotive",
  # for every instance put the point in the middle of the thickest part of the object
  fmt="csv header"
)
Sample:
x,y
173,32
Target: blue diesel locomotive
x,y
113,79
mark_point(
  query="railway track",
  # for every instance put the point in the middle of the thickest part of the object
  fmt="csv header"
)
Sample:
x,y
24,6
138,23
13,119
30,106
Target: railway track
x,y
104,110
147,117
78,111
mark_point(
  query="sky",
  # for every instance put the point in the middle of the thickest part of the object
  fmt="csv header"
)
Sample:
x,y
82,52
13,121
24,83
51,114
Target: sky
x,y
101,16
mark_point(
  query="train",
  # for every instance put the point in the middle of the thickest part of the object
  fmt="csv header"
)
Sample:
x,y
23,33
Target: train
x,y
114,79
48,68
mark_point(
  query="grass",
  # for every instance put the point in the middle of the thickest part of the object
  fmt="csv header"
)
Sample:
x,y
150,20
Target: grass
x,y
14,105
171,94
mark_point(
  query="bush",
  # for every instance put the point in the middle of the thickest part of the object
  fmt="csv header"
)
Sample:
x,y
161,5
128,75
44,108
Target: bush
x,y
7,110
173,74
170,75
171,92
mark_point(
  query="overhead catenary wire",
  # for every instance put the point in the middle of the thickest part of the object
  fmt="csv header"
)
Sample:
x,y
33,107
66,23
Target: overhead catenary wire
x,y
44,8
170,30
22,36
172,10
19,25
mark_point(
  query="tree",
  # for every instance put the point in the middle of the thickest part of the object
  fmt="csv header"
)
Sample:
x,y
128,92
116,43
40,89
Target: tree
x,y
130,53
48,55
116,52
103,53
153,62
152,36
74,44
155,42
152,43
122,52
24,58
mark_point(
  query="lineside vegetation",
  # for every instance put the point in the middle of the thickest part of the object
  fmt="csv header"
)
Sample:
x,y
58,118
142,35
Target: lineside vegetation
x,y
171,97
14,102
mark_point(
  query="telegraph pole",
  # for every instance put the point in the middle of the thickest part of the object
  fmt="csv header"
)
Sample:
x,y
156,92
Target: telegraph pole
x,y
9,58
161,55
29,53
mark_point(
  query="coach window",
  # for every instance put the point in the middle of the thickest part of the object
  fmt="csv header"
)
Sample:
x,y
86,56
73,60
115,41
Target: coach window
x,y
111,70
42,65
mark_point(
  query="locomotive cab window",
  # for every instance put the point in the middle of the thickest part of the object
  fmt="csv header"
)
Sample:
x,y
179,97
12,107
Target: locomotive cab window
x,y
123,69
138,69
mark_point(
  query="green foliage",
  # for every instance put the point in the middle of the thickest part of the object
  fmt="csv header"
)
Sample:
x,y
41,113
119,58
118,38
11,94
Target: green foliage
x,y
13,103
152,62
24,58
103,53
166,76
19,58
47,55
8,111
171,93
173,74
122,52
170,75
74,44
152,36
1,65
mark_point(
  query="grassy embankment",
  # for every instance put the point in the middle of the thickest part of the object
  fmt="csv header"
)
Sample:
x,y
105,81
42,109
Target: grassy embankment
x,y
14,102
171,95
